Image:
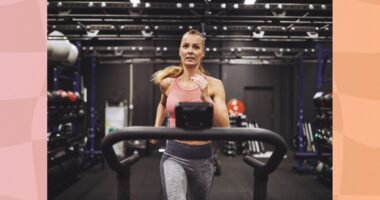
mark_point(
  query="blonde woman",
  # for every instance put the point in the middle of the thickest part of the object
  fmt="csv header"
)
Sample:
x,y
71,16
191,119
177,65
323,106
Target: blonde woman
x,y
186,166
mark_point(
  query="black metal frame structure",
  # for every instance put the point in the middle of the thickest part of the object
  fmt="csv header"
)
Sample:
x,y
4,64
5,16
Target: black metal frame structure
x,y
261,170
276,30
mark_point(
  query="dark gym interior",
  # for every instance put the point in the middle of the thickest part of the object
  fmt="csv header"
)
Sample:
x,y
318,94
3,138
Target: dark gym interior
x,y
273,55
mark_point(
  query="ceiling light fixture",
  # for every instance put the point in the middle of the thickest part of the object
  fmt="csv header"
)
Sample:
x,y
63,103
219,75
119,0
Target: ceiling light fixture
x,y
249,2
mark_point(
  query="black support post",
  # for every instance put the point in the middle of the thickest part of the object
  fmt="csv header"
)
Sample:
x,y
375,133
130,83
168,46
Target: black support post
x,y
123,184
260,185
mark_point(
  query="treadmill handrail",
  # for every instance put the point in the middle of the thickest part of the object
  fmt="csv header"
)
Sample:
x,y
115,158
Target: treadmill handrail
x,y
145,132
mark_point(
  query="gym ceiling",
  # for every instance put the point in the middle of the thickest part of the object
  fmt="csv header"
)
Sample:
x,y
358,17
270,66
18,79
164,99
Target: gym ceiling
x,y
267,32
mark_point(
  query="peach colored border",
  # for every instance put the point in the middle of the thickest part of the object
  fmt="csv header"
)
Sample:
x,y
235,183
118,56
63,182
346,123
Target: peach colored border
x,y
356,91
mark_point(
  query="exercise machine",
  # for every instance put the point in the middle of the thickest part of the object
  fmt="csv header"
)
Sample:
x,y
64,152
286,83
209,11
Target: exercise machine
x,y
261,170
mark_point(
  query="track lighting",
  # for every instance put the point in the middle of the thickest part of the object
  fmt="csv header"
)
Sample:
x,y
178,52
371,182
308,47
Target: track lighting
x,y
249,2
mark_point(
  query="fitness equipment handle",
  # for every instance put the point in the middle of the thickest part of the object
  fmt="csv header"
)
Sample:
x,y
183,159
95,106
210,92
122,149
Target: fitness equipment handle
x,y
141,132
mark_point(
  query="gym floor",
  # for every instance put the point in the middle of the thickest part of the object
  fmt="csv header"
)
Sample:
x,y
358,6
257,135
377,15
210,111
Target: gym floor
x,y
235,183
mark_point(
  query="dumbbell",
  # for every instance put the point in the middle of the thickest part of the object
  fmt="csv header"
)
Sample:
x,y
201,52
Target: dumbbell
x,y
323,169
78,97
62,98
244,144
230,147
49,98
327,132
318,99
55,98
326,140
81,113
317,138
321,137
321,100
327,98
322,117
229,152
72,97
319,167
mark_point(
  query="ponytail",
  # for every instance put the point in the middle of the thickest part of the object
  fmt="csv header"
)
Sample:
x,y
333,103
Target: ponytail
x,y
170,71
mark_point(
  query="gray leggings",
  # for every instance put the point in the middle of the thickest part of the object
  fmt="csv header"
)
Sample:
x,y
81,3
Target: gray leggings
x,y
185,179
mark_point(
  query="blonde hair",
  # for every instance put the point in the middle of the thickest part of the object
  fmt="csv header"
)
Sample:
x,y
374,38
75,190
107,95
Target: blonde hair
x,y
175,71
170,71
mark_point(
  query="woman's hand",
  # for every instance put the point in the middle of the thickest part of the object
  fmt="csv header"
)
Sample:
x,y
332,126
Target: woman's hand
x,y
202,83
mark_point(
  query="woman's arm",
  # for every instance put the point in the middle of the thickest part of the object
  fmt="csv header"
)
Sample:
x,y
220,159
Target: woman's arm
x,y
220,118
161,108
160,115
161,111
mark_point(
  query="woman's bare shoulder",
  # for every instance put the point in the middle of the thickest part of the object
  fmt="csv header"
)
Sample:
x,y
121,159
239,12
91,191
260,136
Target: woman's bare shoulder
x,y
214,81
165,83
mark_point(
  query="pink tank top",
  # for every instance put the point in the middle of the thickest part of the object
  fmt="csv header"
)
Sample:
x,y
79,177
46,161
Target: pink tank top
x,y
179,94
